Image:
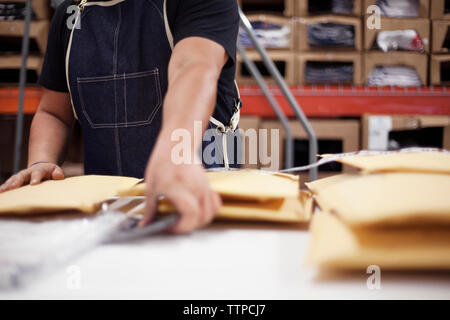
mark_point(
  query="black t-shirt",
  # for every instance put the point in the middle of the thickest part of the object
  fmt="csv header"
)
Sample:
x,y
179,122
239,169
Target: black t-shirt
x,y
217,20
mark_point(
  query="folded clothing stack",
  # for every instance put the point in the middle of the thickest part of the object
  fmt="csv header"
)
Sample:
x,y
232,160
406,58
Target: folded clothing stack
x,y
331,35
328,72
408,40
333,6
399,8
394,214
270,35
401,76
342,6
252,195
12,11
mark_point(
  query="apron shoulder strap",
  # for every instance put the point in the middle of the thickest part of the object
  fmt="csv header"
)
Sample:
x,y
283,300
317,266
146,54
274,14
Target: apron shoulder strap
x,y
234,121
167,26
237,101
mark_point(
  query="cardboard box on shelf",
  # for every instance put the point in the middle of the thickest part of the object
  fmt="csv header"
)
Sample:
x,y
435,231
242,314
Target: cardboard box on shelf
x,y
279,21
345,57
440,9
286,7
284,60
302,37
290,7
424,7
441,36
334,136
41,8
38,31
440,70
15,62
248,126
303,8
410,59
384,132
421,25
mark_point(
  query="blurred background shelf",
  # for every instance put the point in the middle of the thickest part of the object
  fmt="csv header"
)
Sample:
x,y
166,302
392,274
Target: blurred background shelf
x,y
332,101
316,101
9,100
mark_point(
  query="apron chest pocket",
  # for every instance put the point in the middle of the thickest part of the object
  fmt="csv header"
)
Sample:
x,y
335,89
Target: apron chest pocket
x,y
122,100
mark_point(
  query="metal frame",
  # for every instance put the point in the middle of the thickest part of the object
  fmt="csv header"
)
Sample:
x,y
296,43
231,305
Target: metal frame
x,y
289,154
313,145
23,81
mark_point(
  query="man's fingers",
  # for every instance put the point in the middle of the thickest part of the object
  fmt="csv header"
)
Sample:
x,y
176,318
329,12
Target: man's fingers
x,y
37,175
189,208
5,184
34,176
57,173
151,205
18,180
209,209
217,201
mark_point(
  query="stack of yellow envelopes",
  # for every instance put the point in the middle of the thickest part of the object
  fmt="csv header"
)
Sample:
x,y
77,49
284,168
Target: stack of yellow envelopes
x,y
394,214
252,195
247,195
81,194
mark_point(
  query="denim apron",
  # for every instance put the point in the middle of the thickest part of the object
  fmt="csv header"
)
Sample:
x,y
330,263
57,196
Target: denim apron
x,y
117,73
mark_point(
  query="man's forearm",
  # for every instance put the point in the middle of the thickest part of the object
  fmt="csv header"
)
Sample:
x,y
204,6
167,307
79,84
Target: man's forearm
x,y
48,138
191,97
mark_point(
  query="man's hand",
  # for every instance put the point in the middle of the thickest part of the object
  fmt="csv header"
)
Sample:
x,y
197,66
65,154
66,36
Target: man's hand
x,y
33,175
186,186
49,133
194,70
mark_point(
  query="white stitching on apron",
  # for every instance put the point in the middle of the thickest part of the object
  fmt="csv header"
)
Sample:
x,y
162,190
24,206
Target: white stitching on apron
x,y
125,99
115,67
135,75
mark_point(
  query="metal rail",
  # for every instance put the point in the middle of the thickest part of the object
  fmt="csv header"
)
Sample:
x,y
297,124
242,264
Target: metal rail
x,y
289,142
313,146
23,81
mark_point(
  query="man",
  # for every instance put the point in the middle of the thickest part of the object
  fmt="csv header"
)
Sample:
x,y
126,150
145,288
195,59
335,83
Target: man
x,y
132,72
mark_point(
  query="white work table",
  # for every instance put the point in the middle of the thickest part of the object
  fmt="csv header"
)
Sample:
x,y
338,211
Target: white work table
x,y
224,261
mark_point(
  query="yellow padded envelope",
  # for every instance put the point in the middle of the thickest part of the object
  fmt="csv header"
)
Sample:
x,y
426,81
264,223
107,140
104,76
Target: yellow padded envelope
x,y
83,193
438,162
386,198
243,184
289,210
334,244
252,195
